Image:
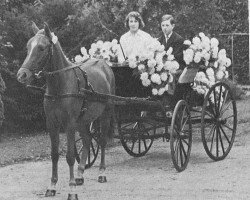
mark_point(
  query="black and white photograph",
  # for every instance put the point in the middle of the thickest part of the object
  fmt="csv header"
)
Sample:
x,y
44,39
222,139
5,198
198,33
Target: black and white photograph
x,y
124,99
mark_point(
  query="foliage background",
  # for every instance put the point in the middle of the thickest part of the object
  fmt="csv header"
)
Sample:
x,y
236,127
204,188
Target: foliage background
x,y
79,23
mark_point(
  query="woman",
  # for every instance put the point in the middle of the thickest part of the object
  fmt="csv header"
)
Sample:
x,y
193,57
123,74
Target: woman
x,y
133,43
135,40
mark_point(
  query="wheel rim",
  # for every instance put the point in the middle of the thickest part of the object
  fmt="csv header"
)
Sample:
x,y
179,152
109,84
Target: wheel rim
x,y
94,146
219,121
137,137
181,136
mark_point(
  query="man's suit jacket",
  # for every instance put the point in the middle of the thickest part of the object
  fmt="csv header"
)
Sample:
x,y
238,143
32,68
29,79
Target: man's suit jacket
x,y
176,42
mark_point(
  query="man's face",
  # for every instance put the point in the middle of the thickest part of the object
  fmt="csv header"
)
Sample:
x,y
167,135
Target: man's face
x,y
167,27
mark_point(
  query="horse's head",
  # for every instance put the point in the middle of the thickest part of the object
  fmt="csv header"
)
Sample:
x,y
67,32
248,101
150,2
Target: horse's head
x,y
38,56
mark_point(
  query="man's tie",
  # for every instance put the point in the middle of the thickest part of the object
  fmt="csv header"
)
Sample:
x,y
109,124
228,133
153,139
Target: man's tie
x,y
166,36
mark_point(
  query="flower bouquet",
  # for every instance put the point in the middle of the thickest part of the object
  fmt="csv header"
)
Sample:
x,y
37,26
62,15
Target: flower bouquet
x,y
204,53
109,51
155,67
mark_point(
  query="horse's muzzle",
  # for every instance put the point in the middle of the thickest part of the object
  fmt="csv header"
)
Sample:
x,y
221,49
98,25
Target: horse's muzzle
x,y
24,75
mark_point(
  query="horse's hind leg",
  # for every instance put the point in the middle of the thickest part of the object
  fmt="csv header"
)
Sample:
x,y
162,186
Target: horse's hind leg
x,y
54,137
105,121
86,140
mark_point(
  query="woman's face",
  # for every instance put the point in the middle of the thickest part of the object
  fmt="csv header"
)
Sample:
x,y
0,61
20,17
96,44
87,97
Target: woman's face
x,y
167,27
133,24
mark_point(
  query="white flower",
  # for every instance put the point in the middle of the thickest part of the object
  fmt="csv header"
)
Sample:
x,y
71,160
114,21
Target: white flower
x,y
132,62
215,64
166,87
151,70
159,67
54,38
222,54
201,34
99,43
228,62
188,56
215,52
84,51
210,71
144,76
161,91
173,67
214,42
200,76
156,78
146,82
226,74
79,59
197,57
164,76
154,91
114,41
219,75
171,57
169,51
141,67
187,42
151,63
207,56
196,41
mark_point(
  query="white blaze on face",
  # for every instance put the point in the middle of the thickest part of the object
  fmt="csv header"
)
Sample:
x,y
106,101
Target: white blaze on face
x,y
33,44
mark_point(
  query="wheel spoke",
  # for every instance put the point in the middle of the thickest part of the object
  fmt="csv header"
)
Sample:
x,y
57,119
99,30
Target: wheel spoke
x,y
184,152
209,114
221,142
212,141
219,98
215,104
224,109
225,98
181,156
225,135
217,141
227,127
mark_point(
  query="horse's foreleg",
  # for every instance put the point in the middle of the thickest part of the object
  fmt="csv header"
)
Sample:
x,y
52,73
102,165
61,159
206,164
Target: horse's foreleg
x,y
70,157
54,137
86,140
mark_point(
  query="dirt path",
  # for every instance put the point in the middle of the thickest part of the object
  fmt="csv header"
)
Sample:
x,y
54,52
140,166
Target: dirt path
x,y
149,177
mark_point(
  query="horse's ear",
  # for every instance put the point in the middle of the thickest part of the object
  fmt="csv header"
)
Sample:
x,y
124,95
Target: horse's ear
x,y
34,27
47,30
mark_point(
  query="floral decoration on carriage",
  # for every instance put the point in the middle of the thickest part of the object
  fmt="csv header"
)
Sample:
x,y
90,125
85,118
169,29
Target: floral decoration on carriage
x,y
154,65
204,53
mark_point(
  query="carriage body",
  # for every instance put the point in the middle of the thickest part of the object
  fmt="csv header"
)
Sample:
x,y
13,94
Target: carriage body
x,y
142,118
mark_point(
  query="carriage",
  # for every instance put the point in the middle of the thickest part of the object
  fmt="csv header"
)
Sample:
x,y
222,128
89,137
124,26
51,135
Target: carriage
x,y
142,119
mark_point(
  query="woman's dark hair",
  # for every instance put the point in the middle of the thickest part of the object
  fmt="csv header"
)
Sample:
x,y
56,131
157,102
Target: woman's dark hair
x,y
137,16
168,17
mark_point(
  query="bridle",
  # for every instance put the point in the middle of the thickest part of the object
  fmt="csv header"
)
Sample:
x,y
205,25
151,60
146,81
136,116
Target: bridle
x,y
42,71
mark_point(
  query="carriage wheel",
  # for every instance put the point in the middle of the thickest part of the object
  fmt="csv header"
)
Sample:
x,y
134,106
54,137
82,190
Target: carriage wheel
x,y
137,137
94,146
181,136
218,121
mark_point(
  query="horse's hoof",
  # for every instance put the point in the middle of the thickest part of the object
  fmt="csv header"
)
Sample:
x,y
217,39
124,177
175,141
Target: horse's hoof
x,y
102,179
79,181
50,193
72,197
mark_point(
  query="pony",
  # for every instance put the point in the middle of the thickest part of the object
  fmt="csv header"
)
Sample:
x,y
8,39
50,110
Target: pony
x,y
66,107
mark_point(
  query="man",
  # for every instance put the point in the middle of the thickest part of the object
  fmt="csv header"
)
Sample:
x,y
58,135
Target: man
x,y
169,38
